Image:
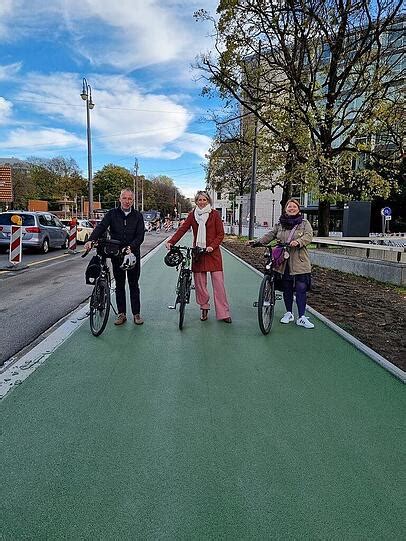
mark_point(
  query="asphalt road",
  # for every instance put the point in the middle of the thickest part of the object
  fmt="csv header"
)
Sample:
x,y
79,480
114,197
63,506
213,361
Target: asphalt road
x,y
34,299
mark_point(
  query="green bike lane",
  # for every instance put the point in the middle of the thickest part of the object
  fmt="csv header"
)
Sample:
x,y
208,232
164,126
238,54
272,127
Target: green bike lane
x,y
213,432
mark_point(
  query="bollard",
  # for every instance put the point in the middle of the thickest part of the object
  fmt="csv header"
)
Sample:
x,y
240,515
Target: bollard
x,y
15,245
15,255
72,237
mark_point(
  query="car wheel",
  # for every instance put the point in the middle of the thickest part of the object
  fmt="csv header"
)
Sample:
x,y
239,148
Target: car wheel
x,y
45,246
65,243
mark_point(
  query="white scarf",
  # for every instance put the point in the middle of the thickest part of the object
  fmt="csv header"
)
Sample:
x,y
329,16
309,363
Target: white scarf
x,y
201,217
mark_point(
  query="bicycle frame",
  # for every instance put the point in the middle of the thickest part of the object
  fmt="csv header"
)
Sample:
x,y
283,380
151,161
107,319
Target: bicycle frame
x,y
100,299
266,296
184,283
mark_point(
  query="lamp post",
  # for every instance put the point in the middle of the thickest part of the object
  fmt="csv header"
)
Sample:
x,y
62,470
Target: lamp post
x,y
86,95
273,212
135,188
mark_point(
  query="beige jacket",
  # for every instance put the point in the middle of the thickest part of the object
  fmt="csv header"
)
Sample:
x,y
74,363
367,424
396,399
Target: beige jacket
x,y
299,260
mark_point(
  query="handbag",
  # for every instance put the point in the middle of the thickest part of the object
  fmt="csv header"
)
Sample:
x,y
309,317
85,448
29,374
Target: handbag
x,y
279,253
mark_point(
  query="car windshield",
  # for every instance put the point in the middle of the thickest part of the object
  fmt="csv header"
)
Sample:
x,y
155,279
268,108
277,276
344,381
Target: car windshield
x,y
5,218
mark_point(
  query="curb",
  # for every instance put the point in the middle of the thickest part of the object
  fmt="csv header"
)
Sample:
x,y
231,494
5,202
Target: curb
x,y
373,355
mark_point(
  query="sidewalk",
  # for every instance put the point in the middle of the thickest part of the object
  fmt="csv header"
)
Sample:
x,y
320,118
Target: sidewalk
x,y
213,432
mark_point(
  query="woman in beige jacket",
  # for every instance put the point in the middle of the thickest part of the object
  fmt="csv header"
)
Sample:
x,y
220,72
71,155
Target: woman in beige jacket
x,y
296,269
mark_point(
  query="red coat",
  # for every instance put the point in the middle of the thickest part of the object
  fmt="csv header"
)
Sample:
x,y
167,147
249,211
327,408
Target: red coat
x,y
208,262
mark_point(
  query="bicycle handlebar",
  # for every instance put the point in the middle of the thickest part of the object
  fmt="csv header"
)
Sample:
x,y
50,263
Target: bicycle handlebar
x,y
86,252
194,249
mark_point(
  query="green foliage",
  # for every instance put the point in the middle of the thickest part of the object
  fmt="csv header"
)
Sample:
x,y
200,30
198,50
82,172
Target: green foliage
x,y
109,181
165,196
56,178
24,188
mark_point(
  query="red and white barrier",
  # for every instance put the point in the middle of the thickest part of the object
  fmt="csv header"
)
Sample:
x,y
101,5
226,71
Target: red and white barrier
x,y
15,244
72,236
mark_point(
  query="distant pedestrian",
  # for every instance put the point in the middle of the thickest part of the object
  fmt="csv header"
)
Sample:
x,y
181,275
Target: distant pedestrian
x,y
208,232
126,225
295,270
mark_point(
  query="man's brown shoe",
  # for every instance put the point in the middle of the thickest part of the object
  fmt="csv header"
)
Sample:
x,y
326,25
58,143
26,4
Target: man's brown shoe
x,y
121,318
138,319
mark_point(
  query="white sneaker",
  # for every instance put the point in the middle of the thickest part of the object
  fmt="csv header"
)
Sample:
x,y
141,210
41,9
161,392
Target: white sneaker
x,y
287,318
304,322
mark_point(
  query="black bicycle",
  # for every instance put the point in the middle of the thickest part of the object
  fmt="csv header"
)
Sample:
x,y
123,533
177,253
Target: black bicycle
x,y
100,300
266,296
181,258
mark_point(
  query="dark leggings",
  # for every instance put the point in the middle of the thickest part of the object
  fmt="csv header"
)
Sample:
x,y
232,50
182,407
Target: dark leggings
x,y
299,284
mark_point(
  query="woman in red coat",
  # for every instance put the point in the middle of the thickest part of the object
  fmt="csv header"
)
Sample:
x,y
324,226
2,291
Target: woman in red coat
x,y
208,232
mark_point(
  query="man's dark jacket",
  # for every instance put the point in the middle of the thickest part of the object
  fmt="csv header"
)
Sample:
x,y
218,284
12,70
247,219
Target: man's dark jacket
x,y
129,230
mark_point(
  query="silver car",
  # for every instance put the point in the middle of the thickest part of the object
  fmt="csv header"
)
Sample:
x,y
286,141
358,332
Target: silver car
x,y
40,230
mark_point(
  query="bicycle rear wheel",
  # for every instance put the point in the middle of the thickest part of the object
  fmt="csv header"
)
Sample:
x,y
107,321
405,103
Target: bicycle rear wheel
x,y
266,304
182,299
99,307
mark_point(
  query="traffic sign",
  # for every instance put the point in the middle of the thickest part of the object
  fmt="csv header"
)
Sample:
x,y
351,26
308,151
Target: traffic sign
x,y
386,211
388,218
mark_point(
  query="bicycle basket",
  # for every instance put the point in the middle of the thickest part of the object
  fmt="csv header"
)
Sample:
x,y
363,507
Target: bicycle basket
x,y
93,270
173,258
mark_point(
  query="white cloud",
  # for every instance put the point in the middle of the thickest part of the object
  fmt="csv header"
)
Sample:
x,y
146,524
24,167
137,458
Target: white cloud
x,y
127,35
40,139
125,120
194,143
9,71
6,10
5,110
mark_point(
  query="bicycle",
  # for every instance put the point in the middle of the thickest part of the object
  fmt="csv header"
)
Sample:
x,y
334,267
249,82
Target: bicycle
x,y
184,283
266,296
100,300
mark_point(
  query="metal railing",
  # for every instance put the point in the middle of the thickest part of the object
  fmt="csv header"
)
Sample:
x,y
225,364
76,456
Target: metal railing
x,y
369,244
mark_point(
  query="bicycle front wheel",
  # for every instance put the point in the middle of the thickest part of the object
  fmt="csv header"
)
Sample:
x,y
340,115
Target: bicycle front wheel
x,y
182,299
99,307
266,304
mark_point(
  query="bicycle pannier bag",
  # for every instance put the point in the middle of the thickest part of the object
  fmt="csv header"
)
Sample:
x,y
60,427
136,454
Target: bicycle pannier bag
x,y
93,270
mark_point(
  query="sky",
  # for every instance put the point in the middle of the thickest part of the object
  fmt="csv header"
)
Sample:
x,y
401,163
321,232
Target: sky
x,y
137,57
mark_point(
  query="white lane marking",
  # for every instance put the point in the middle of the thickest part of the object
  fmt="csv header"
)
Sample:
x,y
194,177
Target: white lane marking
x,y
15,370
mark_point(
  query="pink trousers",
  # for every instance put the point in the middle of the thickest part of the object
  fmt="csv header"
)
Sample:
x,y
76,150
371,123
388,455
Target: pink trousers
x,y
219,293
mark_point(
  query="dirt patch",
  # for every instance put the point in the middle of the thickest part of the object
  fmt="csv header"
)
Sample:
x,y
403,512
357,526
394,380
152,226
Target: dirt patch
x,y
374,312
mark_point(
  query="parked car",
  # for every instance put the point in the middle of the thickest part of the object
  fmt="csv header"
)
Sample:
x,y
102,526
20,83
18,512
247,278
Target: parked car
x,y
41,230
83,229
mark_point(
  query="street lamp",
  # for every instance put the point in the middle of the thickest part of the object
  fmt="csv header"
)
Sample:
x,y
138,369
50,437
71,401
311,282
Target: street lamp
x,y
86,95
273,212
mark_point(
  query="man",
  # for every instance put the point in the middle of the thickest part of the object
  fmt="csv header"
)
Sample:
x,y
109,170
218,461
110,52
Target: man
x,y
127,226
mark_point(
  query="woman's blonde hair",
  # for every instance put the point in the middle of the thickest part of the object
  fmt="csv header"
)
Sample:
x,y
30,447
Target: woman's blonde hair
x,y
292,200
205,194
